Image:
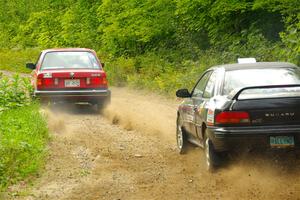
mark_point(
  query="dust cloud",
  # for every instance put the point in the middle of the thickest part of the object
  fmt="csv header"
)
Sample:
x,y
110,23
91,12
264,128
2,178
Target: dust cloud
x,y
145,112
56,123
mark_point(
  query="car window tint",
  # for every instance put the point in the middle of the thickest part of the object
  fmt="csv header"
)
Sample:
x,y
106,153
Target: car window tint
x,y
209,89
237,79
199,88
68,60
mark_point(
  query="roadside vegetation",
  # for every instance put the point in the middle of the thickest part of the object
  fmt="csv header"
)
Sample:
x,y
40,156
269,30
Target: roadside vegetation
x,y
15,59
23,132
155,44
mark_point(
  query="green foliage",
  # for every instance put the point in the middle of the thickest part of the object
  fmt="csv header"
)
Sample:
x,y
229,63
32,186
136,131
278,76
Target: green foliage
x,y
14,92
155,73
79,24
118,70
291,38
23,131
130,27
37,31
23,136
156,44
15,59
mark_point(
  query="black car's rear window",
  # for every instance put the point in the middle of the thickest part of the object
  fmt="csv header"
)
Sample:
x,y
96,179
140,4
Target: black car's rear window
x,y
70,60
237,79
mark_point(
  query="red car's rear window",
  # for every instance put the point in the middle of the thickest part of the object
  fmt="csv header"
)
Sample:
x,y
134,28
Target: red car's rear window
x,y
70,60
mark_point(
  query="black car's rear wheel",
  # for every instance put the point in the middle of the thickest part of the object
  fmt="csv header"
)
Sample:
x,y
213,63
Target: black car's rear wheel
x,y
212,159
181,137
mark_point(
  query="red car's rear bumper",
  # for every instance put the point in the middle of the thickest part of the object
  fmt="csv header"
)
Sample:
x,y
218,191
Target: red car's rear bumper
x,y
72,93
91,96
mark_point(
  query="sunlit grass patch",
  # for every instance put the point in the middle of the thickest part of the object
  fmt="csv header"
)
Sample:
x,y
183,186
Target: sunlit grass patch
x,y
23,137
15,59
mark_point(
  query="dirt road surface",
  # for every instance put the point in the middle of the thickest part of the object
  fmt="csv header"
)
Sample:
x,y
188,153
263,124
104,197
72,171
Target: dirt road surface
x,y
10,74
129,152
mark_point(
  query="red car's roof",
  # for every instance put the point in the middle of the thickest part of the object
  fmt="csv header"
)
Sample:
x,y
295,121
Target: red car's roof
x,y
67,49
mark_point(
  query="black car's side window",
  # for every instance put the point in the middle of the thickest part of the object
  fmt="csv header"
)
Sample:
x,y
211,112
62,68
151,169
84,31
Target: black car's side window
x,y
209,89
199,88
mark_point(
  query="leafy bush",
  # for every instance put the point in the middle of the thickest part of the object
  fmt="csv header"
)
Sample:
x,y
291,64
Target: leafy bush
x,y
156,73
23,136
291,39
14,92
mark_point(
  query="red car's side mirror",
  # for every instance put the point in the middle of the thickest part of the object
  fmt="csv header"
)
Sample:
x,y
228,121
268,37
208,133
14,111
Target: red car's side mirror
x,y
30,65
103,65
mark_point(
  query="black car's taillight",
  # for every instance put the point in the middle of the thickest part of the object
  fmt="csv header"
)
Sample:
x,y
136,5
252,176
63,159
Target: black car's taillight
x,y
232,117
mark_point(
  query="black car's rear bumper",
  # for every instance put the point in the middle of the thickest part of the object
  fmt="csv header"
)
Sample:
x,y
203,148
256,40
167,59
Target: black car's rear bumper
x,y
227,138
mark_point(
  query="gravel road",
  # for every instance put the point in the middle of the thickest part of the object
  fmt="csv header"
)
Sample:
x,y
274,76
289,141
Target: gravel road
x,y
129,152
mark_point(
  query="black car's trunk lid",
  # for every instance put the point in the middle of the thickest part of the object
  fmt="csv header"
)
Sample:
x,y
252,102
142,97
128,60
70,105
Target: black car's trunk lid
x,y
271,111
280,106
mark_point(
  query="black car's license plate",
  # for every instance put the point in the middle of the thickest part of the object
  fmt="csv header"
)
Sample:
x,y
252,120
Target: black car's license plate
x,y
282,141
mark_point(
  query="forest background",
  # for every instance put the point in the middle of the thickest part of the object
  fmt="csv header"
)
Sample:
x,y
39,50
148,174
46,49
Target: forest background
x,y
158,45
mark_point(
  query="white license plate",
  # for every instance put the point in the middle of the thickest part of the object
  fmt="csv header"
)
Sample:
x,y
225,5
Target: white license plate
x,y
72,83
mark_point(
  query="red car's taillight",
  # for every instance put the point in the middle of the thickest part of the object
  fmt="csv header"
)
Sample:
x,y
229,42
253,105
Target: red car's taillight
x,y
44,82
104,81
96,81
39,82
232,117
48,82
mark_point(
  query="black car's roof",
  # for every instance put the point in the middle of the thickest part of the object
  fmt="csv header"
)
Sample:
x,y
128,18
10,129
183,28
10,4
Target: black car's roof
x,y
257,65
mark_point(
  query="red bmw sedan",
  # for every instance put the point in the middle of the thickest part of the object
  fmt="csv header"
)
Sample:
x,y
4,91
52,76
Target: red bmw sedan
x,y
70,75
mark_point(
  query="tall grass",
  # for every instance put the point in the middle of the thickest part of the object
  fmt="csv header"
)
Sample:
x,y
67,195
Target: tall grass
x,y
23,132
23,136
15,59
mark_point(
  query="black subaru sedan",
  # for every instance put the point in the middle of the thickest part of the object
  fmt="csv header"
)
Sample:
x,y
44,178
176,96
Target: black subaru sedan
x,y
252,105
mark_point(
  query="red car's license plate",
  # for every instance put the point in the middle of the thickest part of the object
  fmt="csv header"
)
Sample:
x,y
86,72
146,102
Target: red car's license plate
x,y
72,83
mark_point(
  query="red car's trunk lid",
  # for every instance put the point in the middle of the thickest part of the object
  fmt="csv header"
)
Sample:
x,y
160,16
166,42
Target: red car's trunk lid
x,y
71,79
